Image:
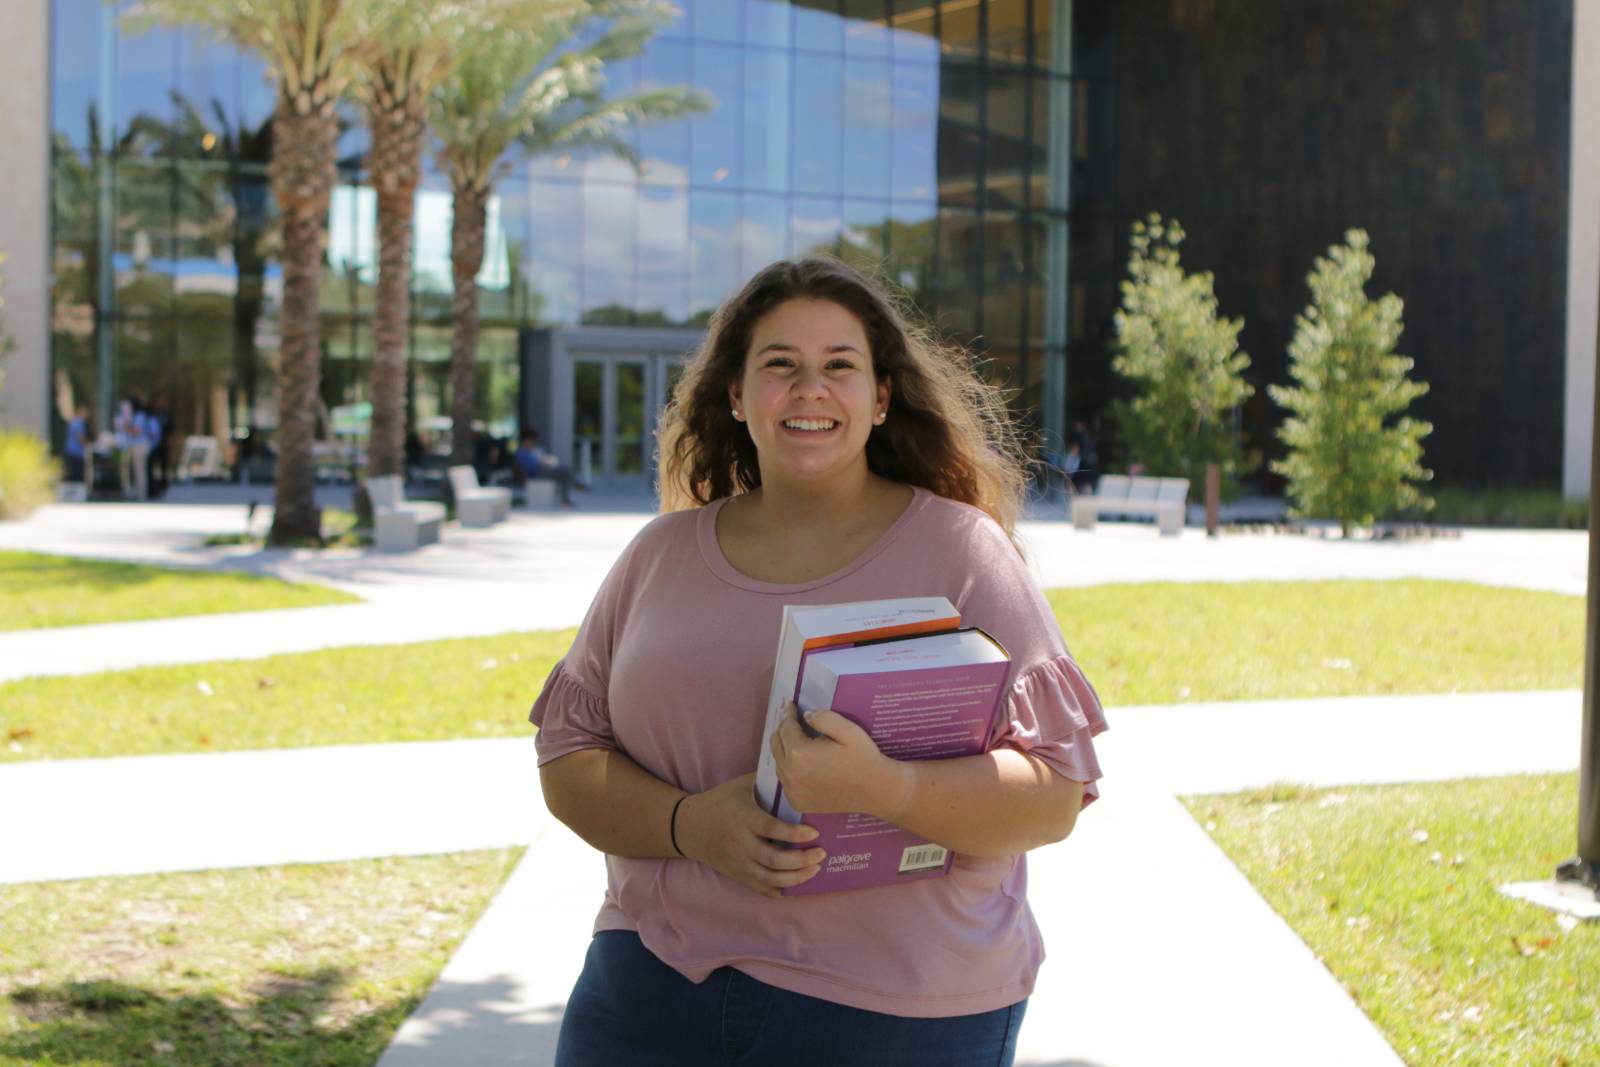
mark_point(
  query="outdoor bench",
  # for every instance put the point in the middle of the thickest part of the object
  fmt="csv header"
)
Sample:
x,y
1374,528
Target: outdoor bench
x,y
478,505
400,525
1122,494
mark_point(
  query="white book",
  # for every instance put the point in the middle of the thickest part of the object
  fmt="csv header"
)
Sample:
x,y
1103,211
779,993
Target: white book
x,y
808,627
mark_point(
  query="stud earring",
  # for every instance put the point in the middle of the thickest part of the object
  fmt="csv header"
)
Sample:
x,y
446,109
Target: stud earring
x,y
880,417
736,413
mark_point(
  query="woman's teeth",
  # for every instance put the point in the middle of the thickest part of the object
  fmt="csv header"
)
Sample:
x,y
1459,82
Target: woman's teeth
x,y
810,424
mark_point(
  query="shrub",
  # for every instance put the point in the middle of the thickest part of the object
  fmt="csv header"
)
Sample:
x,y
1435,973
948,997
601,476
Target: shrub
x,y
27,474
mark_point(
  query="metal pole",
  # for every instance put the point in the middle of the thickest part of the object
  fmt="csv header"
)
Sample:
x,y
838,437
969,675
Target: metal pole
x,y
1585,867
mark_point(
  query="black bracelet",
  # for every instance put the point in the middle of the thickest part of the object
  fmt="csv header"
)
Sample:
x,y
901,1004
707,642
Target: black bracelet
x,y
673,825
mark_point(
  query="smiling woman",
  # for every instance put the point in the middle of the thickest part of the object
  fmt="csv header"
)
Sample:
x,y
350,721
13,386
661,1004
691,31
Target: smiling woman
x,y
817,450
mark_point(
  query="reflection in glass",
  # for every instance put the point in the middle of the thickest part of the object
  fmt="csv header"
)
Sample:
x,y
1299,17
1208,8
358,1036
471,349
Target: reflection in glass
x,y
714,134
713,259
555,233
766,118
610,250
960,136
630,441
1008,31
664,146
1008,150
816,225
663,257
1052,35
207,76
146,63
763,232
864,239
768,22
76,30
588,410
817,26
916,131
868,126
819,121
716,20
143,252
913,243
1005,278
204,269
914,30
960,279
961,29
866,29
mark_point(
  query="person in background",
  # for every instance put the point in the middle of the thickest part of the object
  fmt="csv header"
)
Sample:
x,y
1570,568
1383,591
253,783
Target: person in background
x,y
78,451
532,463
1087,473
155,435
133,449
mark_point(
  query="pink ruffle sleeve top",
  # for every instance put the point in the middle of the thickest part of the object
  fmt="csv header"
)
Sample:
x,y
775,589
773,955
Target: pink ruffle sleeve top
x,y
672,666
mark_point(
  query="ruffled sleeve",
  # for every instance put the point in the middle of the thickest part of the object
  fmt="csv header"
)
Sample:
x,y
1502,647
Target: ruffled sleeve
x,y
570,717
1054,713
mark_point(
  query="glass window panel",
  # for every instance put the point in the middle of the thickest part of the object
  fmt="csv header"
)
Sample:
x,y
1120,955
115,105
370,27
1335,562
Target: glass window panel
x,y
866,27
602,164
74,285
1005,279
1008,150
205,271
960,279
716,20
817,26
147,68
818,126
75,191
961,29
555,245
588,409
610,250
206,376
630,440
664,146
1008,31
865,233
663,257
258,91
208,83
143,256
351,149
679,27
1051,99
769,22
914,29
714,135
498,378
816,225
713,256
144,357
1052,35
916,131
960,136
77,29
913,246
868,127
766,119
763,232
505,224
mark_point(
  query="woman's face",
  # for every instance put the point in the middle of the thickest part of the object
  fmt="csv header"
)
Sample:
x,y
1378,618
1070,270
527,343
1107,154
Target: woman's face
x,y
809,395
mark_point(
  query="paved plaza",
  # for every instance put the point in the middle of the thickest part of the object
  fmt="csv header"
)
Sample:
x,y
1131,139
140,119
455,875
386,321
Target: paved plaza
x,y
1160,951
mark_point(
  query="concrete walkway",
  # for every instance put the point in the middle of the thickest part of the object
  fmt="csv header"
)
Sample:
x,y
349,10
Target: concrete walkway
x,y
1161,952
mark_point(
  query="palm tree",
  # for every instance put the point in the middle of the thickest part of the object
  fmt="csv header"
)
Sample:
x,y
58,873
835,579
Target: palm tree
x,y
309,45
527,87
412,46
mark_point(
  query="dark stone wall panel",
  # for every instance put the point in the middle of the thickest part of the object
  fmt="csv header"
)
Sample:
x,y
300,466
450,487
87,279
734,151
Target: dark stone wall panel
x,y
1269,127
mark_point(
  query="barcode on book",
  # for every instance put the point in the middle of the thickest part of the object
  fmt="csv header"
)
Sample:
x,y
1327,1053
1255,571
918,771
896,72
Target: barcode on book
x,y
922,858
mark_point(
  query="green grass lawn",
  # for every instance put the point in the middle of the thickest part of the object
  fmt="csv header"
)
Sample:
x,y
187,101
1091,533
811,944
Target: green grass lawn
x,y
39,590
1395,889
1170,643
283,966
1138,644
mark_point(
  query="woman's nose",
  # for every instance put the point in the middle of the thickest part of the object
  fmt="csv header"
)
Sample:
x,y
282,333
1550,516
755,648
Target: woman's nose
x,y
810,382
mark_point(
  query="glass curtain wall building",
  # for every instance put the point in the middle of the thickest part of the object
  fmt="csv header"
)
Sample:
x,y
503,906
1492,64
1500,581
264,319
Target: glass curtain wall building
x,y
932,142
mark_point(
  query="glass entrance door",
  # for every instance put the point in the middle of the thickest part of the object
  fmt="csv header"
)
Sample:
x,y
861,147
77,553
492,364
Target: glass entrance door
x,y
616,400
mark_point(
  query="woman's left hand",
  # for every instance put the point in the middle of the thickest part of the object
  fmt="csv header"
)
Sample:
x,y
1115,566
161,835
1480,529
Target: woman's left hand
x,y
840,771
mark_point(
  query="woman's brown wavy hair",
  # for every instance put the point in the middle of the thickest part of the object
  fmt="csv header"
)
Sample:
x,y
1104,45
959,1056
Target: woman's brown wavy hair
x,y
947,431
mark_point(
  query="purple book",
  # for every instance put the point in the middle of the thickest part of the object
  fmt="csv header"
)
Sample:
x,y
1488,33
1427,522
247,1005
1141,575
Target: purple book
x,y
927,697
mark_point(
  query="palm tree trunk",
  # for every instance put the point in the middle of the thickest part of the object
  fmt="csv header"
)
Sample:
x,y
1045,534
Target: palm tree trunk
x,y
395,164
466,257
302,173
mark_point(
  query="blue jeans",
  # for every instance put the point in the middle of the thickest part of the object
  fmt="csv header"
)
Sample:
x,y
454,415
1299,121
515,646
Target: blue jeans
x,y
630,1008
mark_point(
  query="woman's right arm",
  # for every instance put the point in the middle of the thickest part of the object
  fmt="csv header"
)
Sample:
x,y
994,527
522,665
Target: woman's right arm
x,y
623,810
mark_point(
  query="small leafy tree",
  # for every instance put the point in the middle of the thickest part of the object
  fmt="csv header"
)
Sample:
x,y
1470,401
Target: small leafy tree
x,y
1183,360
1353,454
